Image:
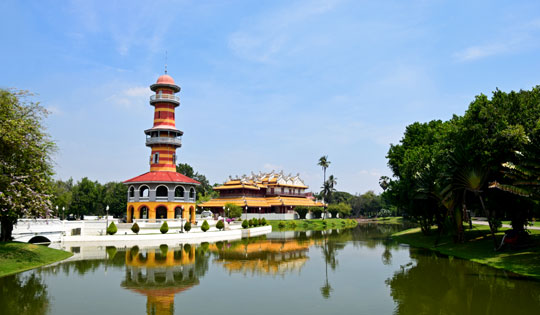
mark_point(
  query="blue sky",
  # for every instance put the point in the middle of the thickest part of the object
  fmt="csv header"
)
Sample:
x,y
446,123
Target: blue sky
x,y
265,84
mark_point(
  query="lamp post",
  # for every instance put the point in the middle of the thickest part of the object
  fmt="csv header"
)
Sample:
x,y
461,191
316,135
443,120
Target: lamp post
x,y
63,213
259,213
107,218
246,212
182,219
57,210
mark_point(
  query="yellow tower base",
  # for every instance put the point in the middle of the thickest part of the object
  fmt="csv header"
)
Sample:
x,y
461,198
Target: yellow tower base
x,y
135,210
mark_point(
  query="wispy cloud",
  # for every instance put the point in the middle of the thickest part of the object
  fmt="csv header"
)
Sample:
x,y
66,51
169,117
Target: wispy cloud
x,y
131,98
508,41
269,34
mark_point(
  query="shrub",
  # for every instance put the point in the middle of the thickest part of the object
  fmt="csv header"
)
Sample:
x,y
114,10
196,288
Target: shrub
x,y
245,224
111,251
316,212
187,226
264,221
112,229
135,228
250,222
260,222
333,209
281,224
220,225
293,224
205,226
164,228
344,209
302,211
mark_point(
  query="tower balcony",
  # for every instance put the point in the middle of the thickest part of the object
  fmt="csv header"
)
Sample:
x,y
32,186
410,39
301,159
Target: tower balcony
x,y
164,140
169,98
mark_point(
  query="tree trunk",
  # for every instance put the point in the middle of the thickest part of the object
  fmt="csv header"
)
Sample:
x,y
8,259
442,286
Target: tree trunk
x,y
490,221
7,227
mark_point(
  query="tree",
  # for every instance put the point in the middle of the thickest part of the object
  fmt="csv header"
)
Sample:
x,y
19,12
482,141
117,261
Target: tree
x,y
204,190
220,225
302,211
233,210
324,163
205,226
25,164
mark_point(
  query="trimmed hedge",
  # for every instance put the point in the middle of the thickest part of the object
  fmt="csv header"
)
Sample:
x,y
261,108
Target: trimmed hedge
x,y
187,226
245,224
135,228
205,226
112,229
220,225
164,228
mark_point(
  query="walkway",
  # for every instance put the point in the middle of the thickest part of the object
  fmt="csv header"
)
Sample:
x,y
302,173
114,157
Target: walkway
x,y
505,225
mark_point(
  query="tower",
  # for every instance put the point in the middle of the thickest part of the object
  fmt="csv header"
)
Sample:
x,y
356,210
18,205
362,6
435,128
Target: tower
x,y
162,193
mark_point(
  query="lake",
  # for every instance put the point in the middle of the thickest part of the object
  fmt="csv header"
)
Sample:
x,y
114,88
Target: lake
x,y
349,271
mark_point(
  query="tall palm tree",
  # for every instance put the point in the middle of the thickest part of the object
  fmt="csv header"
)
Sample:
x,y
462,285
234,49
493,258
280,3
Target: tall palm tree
x,y
324,163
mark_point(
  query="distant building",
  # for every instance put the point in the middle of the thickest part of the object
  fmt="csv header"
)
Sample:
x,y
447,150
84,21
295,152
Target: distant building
x,y
263,193
162,193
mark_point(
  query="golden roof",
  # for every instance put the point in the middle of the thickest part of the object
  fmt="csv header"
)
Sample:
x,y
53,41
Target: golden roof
x,y
263,202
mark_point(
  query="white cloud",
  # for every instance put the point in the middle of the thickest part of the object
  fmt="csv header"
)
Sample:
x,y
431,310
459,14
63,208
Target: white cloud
x,y
482,51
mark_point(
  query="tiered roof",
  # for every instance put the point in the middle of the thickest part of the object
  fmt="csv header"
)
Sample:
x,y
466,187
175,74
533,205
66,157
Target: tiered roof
x,y
263,180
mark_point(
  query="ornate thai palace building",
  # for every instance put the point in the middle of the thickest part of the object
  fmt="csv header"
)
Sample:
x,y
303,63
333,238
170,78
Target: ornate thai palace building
x,y
263,193
162,193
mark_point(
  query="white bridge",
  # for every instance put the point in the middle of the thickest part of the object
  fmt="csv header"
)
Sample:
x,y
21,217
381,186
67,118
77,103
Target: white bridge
x,y
53,230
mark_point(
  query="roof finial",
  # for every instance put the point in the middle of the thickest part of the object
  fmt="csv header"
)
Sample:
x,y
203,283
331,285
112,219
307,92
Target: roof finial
x,y
165,62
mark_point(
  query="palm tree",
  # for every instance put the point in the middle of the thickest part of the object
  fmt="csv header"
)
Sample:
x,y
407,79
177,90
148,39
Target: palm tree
x,y
473,180
324,163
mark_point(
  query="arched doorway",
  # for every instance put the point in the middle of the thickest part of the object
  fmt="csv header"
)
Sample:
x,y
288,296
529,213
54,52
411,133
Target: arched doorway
x,y
161,212
143,212
130,214
192,214
177,212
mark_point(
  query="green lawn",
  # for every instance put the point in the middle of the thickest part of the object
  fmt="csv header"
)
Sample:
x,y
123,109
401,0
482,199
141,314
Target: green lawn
x,y
312,224
389,220
16,257
479,248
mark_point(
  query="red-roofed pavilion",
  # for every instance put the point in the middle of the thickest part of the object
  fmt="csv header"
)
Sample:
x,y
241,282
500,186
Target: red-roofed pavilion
x,y
162,193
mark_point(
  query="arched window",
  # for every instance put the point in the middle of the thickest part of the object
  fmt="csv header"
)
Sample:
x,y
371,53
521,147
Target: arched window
x,y
144,191
131,192
179,192
191,193
162,191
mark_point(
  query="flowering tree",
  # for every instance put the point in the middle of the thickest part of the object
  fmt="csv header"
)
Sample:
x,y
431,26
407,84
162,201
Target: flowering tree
x,y
25,165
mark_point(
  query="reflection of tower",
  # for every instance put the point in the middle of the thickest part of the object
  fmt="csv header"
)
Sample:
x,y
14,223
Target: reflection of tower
x,y
159,275
162,193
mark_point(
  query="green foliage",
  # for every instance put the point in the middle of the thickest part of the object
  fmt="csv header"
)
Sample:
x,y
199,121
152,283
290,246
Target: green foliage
x,y
164,248
220,225
302,211
282,224
187,226
260,222
250,222
205,226
164,227
204,190
233,211
135,228
263,221
316,212
292,224
25,163
442,169
384,213
112,229
111,251
245,224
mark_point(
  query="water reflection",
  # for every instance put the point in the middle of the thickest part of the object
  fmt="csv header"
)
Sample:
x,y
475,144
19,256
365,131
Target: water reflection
x,y
23,294
354,270
161,273
434,284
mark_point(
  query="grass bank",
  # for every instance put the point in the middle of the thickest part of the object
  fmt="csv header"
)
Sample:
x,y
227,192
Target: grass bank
x,y
479,248
16,257
311,225
390,220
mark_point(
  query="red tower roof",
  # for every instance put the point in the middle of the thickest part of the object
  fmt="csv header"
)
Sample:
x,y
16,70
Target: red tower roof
x,y
164,177
165,79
